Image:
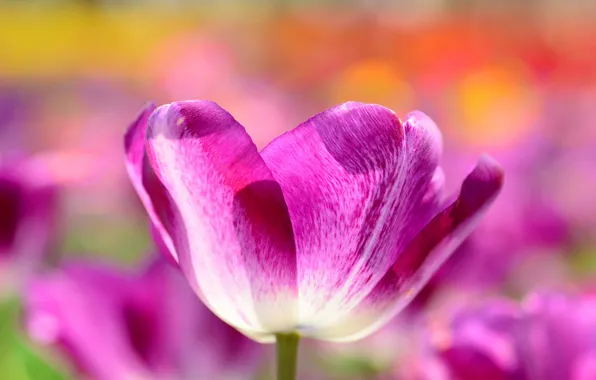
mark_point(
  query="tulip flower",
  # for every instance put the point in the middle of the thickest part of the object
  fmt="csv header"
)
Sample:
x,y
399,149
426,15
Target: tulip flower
x,y
326,233
115,325
28,201
548,337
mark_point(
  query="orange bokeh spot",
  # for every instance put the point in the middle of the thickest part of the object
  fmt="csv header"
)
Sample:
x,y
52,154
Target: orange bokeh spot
x,y
373,82
496,106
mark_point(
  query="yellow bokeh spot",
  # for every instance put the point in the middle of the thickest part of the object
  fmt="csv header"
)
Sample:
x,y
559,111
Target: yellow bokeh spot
x,y
373,81
496,106
71,40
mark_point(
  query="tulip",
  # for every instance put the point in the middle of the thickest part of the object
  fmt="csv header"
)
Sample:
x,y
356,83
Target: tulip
x,y
28,201
326,233
547,337
117,325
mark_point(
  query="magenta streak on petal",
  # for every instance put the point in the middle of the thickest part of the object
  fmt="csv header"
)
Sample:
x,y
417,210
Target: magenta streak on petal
x,y
141,175
232,231
351,177
164,212
422,184
478,190
161,245
424,255
160,208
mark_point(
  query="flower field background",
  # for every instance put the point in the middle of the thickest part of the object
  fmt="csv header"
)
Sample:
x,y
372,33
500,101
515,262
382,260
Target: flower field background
x,y
517,82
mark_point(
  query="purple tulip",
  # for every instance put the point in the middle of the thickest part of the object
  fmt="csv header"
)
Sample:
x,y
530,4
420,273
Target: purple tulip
x,y
548,337
28,202
560,340
327,232
117,325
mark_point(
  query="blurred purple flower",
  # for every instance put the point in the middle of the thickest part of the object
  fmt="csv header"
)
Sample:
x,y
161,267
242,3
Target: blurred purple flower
x,y
329,231
28,219
549,337
524,221
523,225
116,325
573,191
561,336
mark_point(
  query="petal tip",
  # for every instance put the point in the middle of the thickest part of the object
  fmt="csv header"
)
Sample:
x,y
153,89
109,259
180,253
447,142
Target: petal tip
x,y
353,105
490,170
138,125
417,116
188,117
418,120
483,184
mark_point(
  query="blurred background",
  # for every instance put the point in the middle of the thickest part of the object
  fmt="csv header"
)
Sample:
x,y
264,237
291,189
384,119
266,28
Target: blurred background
x,y
515,79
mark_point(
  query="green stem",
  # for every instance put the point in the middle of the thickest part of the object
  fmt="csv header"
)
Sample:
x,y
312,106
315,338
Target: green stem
x,y
287,355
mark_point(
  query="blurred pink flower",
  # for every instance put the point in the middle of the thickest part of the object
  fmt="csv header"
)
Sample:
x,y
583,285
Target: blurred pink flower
x,y
568,178
573,191
329,231
87,146
191,66
116,325
28,219
523,226
550,336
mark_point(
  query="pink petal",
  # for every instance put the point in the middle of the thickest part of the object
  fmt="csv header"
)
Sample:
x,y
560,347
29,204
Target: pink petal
x,y
143,179
355,181
78,309
177,332
227,216
423,256
28,221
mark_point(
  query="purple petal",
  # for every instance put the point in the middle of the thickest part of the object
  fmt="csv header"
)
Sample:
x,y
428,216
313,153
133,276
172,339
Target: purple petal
x,y
550,337
177,332
117,325
560,329
473,343
584,367
228,219
480,342
79,309
11,203
143,179
424,255
357,185
27,221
